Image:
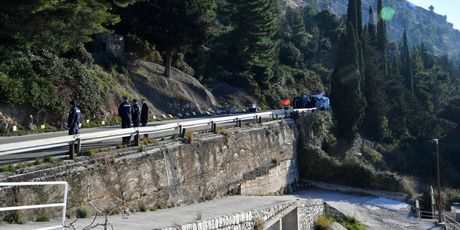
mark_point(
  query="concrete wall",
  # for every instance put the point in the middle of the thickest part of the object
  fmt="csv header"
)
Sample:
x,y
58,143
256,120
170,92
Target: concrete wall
x,y
169,173
278,180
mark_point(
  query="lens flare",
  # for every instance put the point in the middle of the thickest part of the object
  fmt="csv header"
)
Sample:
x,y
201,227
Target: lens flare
x,y
387,13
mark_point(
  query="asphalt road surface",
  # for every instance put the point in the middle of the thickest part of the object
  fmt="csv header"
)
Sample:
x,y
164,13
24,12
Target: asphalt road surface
x,y
62,152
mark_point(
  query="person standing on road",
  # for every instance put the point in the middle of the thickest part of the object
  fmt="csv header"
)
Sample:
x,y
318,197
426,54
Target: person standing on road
x,y
124,111
136,113
144,113
73,122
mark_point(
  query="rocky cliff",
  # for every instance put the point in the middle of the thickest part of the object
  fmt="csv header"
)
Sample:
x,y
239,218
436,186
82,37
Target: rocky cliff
x,y
422,25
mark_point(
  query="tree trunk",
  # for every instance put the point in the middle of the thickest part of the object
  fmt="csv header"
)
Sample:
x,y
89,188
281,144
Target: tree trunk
x,y
168,62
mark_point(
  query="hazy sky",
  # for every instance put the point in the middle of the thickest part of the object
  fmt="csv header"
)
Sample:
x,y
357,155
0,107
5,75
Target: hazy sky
x,y
450,8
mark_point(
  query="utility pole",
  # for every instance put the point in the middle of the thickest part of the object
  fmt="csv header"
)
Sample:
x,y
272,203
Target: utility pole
x,y
439,182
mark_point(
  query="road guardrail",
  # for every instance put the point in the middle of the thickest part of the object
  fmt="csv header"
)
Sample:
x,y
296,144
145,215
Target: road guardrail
x,y
177,128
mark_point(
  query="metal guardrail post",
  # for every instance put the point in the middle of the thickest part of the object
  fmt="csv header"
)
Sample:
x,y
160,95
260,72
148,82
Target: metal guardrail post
x,y
260,120
213,127
180,130
137,139
184,130
75,150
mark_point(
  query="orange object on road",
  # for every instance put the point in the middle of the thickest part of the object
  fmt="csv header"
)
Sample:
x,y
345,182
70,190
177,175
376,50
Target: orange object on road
x,y
286,102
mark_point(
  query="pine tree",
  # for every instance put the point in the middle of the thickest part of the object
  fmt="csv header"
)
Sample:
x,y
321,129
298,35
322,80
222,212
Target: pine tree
x,y
256,22
53,25
406,65
297,26
173,27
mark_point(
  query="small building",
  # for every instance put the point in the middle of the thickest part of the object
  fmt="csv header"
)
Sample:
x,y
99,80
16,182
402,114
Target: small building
x,y
106,45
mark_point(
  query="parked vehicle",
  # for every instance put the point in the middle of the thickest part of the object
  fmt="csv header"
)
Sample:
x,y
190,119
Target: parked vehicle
x,y
319,101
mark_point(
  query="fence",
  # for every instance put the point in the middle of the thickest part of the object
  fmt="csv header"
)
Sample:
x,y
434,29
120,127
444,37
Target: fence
x,y
448,222
177,128
25,207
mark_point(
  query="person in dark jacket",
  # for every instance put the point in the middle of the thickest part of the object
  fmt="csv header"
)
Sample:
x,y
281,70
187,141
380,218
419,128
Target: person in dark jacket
x,y
144,113
136,113
73,122
124,111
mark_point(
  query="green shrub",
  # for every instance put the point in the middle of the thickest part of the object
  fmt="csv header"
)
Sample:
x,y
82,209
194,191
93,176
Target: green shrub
x,y
43,218
323,223
15,217
39,162
51,160
352,224
82,212
142,207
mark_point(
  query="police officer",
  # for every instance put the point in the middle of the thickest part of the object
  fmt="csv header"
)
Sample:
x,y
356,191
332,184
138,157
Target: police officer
x,y
73,122
124,111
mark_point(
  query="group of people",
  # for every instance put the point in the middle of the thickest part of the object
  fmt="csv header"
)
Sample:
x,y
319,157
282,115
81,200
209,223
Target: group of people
x,y
131,113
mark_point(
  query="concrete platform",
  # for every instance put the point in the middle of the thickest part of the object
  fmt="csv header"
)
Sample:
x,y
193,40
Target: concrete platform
x,y
171,217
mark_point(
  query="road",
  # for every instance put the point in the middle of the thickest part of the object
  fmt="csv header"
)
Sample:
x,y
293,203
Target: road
x,y
61,152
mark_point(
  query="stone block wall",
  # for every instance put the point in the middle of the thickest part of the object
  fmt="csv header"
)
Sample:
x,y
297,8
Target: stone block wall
x,y
307,212
167,174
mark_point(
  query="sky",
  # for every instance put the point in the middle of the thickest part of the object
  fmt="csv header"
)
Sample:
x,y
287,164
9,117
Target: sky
x,y
443,7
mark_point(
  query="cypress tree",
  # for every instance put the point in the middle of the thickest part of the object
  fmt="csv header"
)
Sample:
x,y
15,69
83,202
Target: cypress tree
x,y
406,65
371,26
359,17
347,99
381,30
352,14
375,122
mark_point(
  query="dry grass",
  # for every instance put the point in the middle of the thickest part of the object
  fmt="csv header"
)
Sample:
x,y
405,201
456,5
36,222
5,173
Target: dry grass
x,y
259,224
277,159
322,223
190,136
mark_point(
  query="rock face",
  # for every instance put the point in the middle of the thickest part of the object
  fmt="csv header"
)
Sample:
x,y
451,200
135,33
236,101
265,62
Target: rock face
x,y
178,93
167,174
422,25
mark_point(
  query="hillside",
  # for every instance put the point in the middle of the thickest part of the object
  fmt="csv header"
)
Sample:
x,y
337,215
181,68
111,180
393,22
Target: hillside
x,y
100,91
422,25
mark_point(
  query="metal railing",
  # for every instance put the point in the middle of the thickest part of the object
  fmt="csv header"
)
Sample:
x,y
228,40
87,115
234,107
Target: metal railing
x,y
448,222
178,128
25,207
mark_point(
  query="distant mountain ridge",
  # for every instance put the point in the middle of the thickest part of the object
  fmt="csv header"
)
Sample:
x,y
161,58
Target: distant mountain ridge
x,y
422,25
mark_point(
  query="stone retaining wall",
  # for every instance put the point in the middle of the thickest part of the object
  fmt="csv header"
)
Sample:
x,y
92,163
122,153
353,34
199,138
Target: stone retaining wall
x,y
307,212
166,174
